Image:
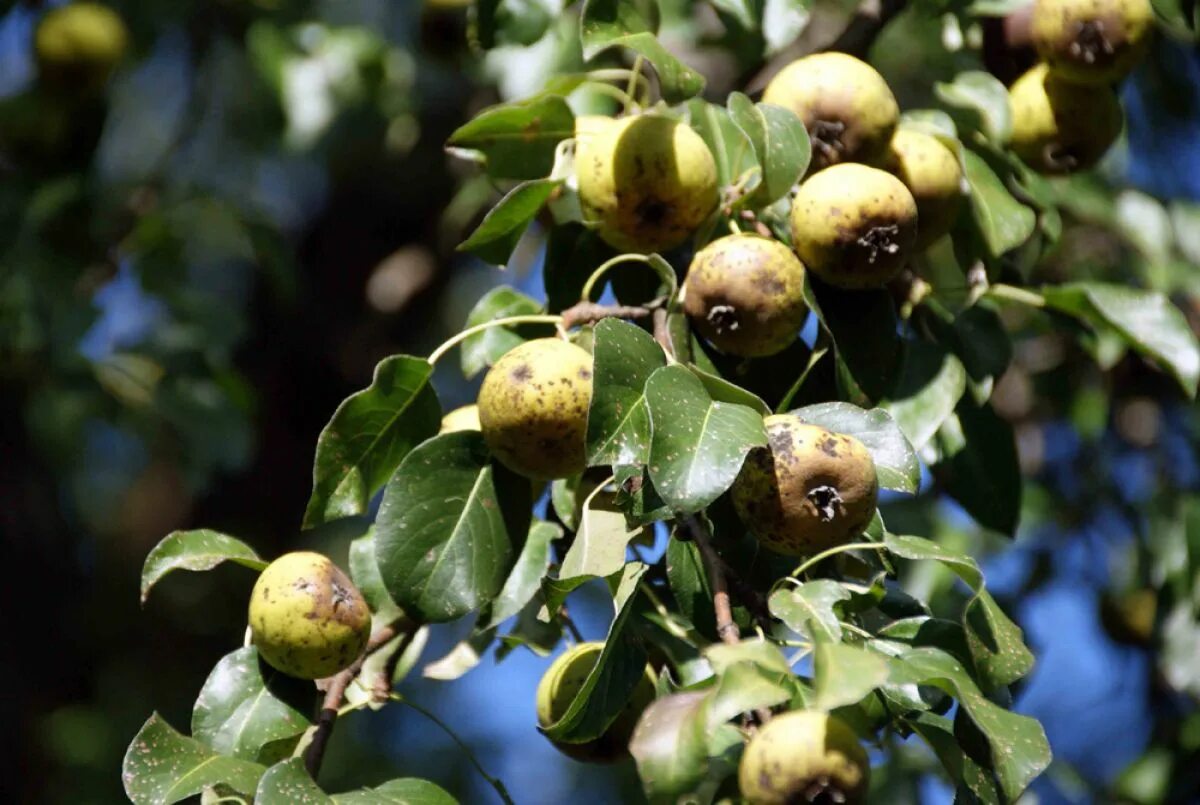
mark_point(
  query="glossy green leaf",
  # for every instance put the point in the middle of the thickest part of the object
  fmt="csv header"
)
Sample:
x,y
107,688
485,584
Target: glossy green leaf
x,y
481,350
517,140
978,466
197,550
930,386
618,428
369,434
721,390
600,541
612,23
527,574
498,233
1004,222
697,445
246,704
364,572
288,782
808,608
895,462
780,143
162,766
1019,749
995,643
983,95
1146,320
938,732
844,674
730,147
404,791
450,527
607,689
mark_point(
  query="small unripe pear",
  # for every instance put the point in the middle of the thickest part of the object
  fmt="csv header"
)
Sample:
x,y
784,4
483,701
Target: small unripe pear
x,y
854,226
646,182
745,294
804,756
1060,127
847,107
932,174
1093,42
307,618
79,45
464,418
533,408
559,686
809,489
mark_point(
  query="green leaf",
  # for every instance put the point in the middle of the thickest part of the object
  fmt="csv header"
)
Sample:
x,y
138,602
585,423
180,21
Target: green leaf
x,y
465,655
611,23
510,22
780,143
288,782
843,674
404,791
481,350
1003,221
730,147
162,766
600,541
1019,750
895,462
246,704
201,549
865,335
618,428
697,446
931,384
527,574
938,732
517,140
364,571
369,434
978,466
497,235
746,12
1146,320
449,527
995,643
808,608
670,745
608,687
721,390
984,95
747,686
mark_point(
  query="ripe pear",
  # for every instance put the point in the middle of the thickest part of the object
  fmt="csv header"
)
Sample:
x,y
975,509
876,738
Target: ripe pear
x,y
854,226
464,418
847,107
809,489
804,756
646,182
932,174
533,408
79,45
307,618
1060,127
1095,42
745,294
559,686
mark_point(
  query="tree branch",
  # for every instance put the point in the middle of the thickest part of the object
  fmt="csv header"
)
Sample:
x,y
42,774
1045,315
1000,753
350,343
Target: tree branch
x,y
335,693
727,630
589,312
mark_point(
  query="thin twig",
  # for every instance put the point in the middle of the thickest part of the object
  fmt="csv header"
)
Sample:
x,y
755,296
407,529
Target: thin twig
x,y
565,617
590,312
494,782
335,693
661,332
727,630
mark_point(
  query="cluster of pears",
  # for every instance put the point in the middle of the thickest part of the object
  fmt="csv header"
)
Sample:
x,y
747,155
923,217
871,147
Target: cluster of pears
x,y
1065,111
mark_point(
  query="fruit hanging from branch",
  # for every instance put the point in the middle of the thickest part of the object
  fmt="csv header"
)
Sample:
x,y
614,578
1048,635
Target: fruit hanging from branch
x,y
1061,127
804,756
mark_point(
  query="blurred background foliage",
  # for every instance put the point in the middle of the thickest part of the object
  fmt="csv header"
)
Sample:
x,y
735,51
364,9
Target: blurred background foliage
x,y
200,261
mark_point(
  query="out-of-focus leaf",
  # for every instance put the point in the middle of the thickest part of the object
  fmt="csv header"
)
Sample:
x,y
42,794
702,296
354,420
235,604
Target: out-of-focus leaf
x,y
611,23
670,745
201,549
983,95
808,608
843,674
780,142
1004,222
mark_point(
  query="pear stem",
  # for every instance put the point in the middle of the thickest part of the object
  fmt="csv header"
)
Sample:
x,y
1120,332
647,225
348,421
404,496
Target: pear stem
x,y
808,563
507,321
